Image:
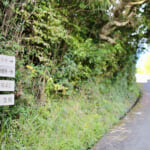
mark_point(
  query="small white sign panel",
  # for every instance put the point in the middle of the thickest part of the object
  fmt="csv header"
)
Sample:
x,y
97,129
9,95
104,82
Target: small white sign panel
x,y
7,99
7,60
7,71
6,85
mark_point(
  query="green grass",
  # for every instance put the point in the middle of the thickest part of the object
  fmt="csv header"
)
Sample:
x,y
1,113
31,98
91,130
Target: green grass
x,y
74,123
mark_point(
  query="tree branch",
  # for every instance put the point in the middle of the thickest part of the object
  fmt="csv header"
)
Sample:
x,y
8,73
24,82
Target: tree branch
x,y
116,22
107,38
137,3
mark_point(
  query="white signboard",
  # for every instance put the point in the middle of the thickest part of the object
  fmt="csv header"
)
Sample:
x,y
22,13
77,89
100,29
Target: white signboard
x,y
7,61
7,99
6,85
7,71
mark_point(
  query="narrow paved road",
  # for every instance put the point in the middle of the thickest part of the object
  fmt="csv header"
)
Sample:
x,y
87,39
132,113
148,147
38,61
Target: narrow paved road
x,y
133,133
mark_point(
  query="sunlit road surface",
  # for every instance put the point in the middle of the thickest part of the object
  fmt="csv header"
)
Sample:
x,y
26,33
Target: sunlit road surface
x,y
133,132
140,78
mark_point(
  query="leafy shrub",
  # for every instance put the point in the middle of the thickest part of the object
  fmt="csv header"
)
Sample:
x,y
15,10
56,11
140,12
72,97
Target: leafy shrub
x,y
62,44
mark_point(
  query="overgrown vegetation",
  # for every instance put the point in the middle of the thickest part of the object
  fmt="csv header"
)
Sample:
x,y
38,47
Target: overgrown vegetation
x,y
75,123
59,45
62,42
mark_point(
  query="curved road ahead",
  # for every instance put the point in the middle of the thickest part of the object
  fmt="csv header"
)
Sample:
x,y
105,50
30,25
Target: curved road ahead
x,y
133,132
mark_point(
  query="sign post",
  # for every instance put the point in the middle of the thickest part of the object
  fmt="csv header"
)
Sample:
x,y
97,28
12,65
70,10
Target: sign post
x,y
7,69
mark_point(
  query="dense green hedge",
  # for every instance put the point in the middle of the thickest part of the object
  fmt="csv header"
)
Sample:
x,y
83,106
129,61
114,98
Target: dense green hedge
x,y
57,44
71,85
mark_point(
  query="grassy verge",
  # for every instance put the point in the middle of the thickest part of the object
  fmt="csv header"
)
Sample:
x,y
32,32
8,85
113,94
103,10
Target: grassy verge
x,y
74,123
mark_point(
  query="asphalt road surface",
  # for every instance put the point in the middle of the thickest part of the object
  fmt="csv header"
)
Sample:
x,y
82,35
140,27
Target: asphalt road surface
x,y
133,132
